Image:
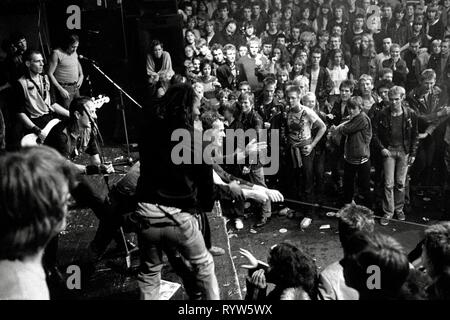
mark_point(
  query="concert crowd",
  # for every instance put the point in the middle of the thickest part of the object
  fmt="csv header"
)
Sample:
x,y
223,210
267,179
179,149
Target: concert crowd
x,y
347,99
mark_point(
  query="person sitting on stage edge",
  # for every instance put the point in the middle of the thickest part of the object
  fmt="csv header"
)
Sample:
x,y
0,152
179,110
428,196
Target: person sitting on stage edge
x,y
290,269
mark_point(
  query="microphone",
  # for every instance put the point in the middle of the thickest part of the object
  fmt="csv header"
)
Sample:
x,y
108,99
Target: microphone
x,y
87,59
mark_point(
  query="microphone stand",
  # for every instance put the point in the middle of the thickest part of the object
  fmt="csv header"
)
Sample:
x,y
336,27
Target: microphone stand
x,y
98,139
122,106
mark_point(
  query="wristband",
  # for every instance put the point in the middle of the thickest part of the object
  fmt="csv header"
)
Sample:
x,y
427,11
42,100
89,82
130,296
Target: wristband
x,y
36,130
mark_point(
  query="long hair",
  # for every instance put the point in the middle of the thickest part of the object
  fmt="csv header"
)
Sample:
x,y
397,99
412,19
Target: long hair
x,y
176,106
331,61
292,267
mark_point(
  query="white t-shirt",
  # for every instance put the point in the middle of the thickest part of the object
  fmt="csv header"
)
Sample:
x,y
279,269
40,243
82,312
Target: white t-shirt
x,y
337,74
314,79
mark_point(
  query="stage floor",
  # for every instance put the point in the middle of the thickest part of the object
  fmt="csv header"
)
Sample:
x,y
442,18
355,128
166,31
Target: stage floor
x,y
112,280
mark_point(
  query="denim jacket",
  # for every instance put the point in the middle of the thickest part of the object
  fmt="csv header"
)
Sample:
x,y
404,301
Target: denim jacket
x,y
382,130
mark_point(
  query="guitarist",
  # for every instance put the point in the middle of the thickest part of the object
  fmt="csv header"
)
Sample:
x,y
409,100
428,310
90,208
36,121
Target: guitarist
x,y
67,138
34,106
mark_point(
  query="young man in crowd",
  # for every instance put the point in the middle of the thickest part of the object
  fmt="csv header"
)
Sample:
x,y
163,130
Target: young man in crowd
x,y
34,184
227,74
252,67
352,219
395,136
358,134
301,143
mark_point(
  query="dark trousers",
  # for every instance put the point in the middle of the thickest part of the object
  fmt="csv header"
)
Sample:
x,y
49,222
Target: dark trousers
x,y
362,172
109,222
319,170
421,172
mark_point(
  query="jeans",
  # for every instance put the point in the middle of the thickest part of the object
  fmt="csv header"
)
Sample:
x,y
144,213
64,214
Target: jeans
x,y
73,91
256,176
308,175
395,170
363,173
186,251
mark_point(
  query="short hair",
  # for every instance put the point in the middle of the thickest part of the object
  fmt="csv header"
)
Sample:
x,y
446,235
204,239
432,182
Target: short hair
x,y
354,218
437,246
34,185
254,40
355,102
269,81
201,42
374,249
397,90
384,84
243,83
205,62
309,94
216,46
208,118
395,46
301,79
359,16
27,55
428,74
415,39
365,77
223,5
293,88
350,84
385,71
229,47
231,108
316,51
247,95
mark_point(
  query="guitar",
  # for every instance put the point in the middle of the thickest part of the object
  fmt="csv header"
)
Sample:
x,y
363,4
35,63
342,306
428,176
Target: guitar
x,y
33,139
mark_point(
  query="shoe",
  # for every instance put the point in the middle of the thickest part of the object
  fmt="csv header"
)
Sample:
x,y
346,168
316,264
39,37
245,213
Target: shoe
x,y
216,251
401,216
385,220
238,224
262,222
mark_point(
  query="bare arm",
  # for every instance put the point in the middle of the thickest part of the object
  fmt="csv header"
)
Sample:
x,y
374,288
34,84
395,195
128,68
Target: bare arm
x,y
26,121
322,128
60,110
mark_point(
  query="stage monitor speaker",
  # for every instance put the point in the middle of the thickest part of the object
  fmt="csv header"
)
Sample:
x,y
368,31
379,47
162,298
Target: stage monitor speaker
x,y
169,30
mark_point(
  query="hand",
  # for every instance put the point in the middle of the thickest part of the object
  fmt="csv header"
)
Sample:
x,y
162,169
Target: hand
x,y
274,195
330,116
64,93
252,261
422,136
411,160
255,147
307,149
79,83
216,84
385,153
41,137
245,170
258,279
106,168
266,125
236,190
